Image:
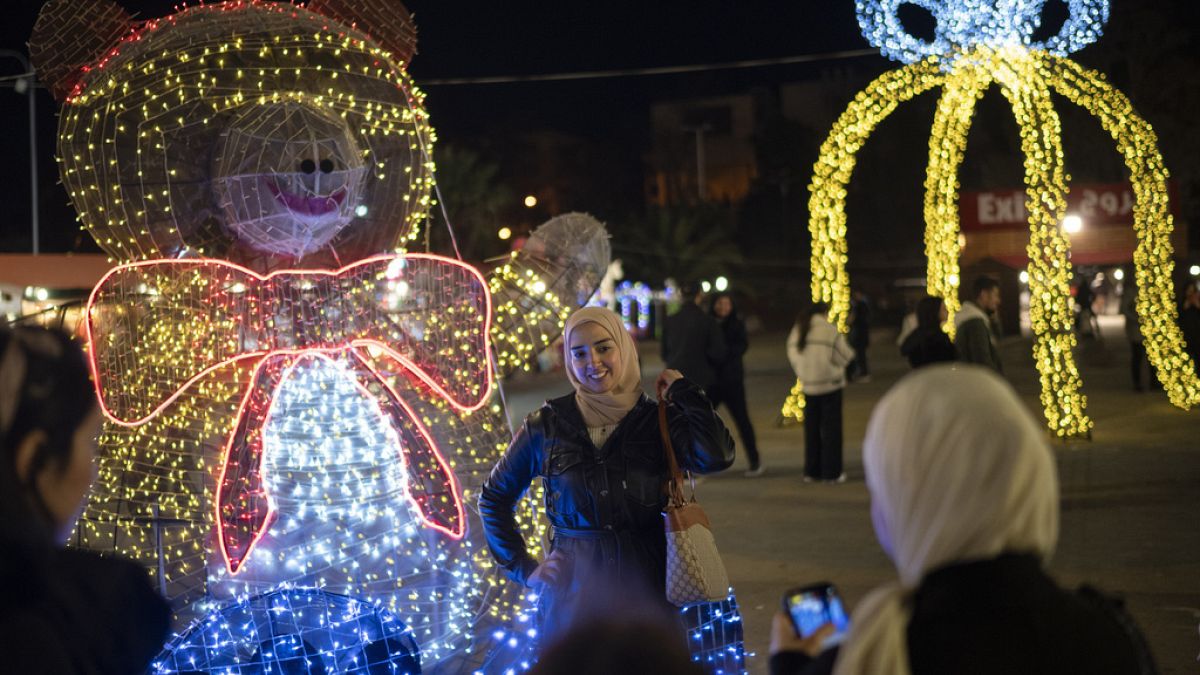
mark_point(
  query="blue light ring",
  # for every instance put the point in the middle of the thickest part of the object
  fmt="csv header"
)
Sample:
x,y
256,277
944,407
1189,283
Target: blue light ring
x,y
965,24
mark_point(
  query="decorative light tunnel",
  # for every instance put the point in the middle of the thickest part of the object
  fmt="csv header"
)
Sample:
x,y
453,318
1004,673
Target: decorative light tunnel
x,y
977,44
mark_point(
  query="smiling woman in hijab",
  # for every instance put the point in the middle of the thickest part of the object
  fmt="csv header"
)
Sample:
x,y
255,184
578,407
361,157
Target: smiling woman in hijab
x,y
964,499
600,456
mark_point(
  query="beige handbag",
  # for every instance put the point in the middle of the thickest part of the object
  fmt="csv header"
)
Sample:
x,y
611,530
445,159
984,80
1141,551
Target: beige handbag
x,y
695,572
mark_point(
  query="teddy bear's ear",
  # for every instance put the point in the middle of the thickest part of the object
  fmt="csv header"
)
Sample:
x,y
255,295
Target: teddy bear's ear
x,y
72,35
386,21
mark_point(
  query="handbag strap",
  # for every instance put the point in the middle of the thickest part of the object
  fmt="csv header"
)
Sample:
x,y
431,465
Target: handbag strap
x,y
675,496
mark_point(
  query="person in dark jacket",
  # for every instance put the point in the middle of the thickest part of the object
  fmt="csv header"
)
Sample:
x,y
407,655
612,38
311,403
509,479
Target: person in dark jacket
x,y
600,455
859,337
1189,322
974,338
692,342
61,611
928,343
730,388
964,499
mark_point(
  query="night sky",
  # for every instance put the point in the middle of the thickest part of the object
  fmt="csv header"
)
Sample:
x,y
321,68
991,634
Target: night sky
x,y
481,39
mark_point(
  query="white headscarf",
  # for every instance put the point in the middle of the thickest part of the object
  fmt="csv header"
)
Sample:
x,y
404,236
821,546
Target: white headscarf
x,y
958,470
611,406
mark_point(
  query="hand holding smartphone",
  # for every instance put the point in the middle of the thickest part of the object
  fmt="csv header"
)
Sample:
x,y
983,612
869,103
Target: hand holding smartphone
x,y
813,606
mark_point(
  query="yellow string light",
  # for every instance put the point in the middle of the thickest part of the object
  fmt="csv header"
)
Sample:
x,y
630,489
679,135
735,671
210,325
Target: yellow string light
x,y
1026,78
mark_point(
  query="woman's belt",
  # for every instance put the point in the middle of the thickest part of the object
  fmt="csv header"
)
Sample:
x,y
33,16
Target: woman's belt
x,y
573,533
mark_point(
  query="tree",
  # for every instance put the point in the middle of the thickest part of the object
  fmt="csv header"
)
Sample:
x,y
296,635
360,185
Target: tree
x,y
478,201
678,242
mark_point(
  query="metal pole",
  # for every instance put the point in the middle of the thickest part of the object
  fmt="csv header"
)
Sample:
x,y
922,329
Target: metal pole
x,y
33,162
31,91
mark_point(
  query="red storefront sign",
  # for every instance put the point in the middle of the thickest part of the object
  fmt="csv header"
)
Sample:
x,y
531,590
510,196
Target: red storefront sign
x,y
1099,204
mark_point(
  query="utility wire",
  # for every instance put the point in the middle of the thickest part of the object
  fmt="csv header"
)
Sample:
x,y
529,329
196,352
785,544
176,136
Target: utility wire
x,y
640,72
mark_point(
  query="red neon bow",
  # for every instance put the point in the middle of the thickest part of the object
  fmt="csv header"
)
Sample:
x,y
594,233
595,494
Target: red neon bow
x,y
157,327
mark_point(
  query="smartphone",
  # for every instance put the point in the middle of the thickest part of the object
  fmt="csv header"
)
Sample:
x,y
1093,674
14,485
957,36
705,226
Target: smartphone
x,y
811,607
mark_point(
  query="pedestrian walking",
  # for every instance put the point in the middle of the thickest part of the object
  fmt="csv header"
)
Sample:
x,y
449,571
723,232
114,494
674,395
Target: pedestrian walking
x,y
62,610
860,337
928,342
974,337
692,342
600,455
1085,317
731,377
1138,362
819,355
1189,322
965,502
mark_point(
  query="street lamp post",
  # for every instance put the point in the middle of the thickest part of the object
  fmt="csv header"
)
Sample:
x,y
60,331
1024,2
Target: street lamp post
x,y
26,84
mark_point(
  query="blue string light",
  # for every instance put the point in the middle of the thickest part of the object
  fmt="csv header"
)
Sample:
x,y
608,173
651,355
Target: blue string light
x,y
963,24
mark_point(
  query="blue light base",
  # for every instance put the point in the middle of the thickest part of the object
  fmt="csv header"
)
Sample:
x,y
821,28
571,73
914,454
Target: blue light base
x,y
715,636
294,630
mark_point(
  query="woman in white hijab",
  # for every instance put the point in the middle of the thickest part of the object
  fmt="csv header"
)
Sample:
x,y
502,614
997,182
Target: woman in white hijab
x,y
600,455
964,499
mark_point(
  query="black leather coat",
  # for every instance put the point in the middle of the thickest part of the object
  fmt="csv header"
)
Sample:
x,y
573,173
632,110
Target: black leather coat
x,y
605,504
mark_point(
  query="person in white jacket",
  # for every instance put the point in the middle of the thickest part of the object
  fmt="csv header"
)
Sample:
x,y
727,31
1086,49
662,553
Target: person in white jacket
x,y
819,354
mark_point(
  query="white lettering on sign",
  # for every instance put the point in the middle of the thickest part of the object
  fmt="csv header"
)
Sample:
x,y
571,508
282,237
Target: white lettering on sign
x,y
997,209
1106,202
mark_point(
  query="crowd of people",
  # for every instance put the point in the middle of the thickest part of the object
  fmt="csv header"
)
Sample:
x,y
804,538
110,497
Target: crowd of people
x,y
963,486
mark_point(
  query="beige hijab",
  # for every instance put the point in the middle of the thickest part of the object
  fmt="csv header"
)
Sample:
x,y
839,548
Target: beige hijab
x,y
958,470
610,407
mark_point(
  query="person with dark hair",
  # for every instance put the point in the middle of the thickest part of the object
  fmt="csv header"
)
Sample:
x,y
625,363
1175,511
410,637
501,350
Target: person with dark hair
x,y
692,342
965,502
819,354
731,377
974,339
61,610
600,455
928,343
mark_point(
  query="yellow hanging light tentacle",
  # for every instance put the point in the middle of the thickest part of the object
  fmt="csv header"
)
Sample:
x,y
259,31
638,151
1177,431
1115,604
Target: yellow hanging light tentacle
x,y
947,145
1153,263
1024,83
831,174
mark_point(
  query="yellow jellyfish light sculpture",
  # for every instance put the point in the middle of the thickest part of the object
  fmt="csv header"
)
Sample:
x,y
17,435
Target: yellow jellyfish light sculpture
x,y
979,43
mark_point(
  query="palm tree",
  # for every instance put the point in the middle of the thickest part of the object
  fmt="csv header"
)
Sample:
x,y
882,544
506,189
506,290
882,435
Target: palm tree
x,y
680,242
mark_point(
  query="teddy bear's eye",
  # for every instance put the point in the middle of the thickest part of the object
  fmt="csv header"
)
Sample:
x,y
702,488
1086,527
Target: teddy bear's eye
x,y
308,166
326,166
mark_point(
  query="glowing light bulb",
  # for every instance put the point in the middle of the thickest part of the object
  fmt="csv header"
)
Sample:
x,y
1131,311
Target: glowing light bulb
x,y
721,284
1072,224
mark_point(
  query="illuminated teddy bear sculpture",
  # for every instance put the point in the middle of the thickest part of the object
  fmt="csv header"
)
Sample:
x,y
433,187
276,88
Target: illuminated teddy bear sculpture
x,y
299,411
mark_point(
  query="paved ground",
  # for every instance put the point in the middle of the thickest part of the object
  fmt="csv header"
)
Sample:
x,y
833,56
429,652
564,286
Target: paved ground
x,y
1130,509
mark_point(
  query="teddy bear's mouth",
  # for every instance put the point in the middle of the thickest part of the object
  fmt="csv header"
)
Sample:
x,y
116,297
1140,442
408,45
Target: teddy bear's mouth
x,y
305,205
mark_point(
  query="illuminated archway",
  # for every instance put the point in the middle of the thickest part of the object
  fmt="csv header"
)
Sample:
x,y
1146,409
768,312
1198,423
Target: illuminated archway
x,y
986,44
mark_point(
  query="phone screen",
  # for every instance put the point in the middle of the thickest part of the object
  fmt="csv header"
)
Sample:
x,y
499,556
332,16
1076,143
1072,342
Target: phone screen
x,y
814,606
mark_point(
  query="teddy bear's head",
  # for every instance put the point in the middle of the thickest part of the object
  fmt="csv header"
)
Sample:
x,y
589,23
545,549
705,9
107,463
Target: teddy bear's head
x,y
265,133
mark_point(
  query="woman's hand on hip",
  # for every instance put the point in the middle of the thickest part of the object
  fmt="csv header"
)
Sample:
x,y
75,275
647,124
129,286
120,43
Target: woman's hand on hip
x,y
551,572
665,379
